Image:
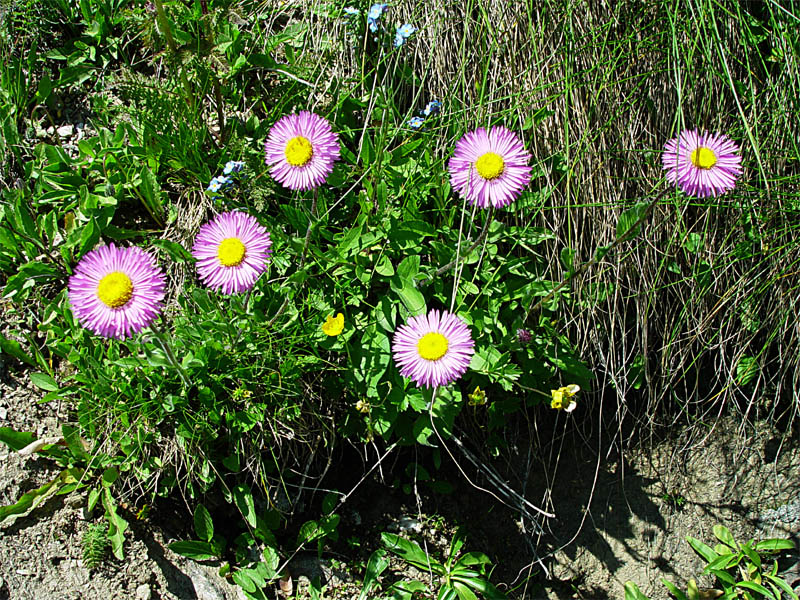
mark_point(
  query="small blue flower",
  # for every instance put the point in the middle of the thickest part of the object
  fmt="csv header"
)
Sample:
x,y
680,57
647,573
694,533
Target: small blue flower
x,y
351,11
416,122
406,30
432,108
218,183
403,33
233,166
376,10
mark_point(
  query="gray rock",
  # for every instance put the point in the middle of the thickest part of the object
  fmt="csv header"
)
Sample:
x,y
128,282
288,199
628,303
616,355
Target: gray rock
x,y
65,131
143,592
3,413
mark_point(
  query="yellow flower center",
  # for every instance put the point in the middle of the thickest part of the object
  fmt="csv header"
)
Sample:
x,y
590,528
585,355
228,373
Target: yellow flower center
x,y
231,252
298,151
115,289
432,346
490,165
703,158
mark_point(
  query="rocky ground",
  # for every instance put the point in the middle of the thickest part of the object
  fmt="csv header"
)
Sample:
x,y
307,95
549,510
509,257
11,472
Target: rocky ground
x,y
640,512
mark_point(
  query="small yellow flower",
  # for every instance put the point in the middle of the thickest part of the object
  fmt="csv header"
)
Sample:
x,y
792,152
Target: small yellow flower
x,y
562,398
477,397
362,407
334,325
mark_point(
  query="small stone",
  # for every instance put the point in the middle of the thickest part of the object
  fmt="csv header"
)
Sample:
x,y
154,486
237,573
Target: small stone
x,y
41,132
143,592
65,131
3,413
50,130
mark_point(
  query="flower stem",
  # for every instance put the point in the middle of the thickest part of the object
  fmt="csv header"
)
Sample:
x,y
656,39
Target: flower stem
x,y
160,337
302,256
441,270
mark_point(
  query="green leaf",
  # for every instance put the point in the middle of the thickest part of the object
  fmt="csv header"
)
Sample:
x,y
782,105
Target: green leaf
x,y
151,194
632,592
752,555
30,500
271,561
203,525
774,545
464,593
110,475
412,299
679,595
175,251
783,585
629,218
377,564
243,498
73,439
193,549
408,269
43,381
411,553
14,349
384,266
116,524
16,440
746,370
707,553
756,587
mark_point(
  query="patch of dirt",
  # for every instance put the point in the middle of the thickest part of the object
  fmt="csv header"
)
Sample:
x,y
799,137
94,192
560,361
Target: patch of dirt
x,y
642,510
41,552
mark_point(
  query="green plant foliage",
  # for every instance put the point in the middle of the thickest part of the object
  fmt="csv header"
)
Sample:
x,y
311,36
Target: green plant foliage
x,y
95,545
460,576
742,570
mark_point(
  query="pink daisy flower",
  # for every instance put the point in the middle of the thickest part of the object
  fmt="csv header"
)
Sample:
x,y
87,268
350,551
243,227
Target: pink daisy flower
x,y
116,292
300,150
489,169
433,349
702,165
231,252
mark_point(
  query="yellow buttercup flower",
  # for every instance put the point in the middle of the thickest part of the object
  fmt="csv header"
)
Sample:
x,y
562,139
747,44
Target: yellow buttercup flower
x,y
563,398
334,325
477,397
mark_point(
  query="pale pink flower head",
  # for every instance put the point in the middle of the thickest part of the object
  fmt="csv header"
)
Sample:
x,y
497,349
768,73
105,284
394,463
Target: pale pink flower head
x,y
702,165
232,251
489,168
116,292
433,349
300,150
